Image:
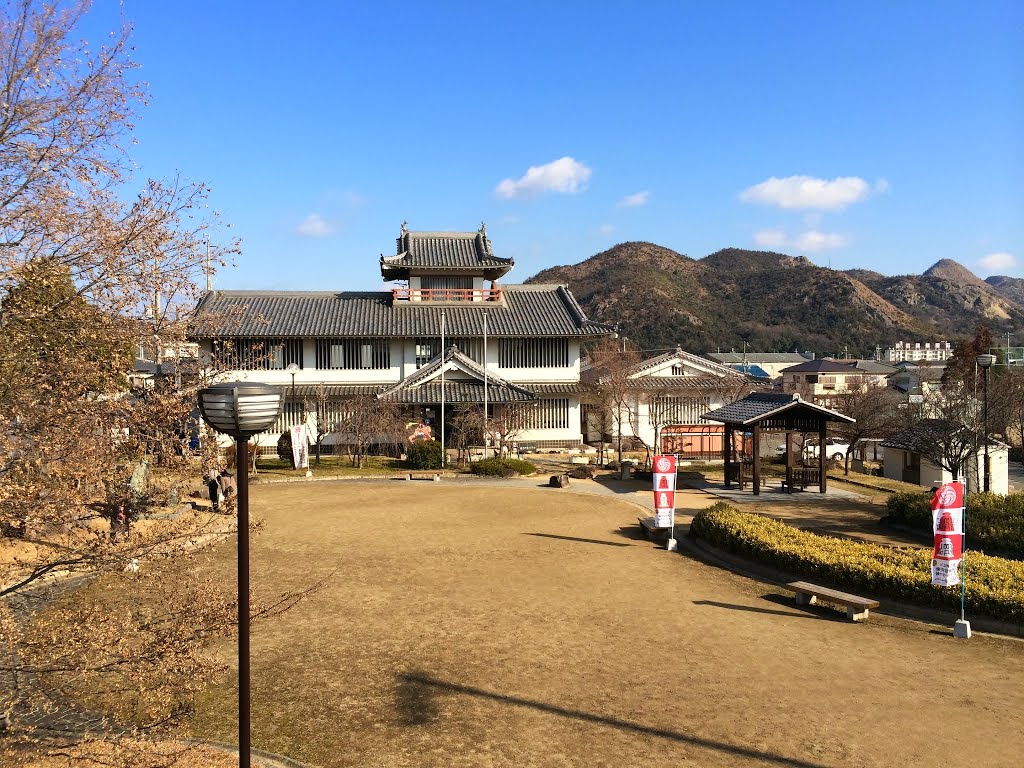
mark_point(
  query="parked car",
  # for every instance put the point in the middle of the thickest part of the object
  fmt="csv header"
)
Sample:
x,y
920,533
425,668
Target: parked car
x,y
835,449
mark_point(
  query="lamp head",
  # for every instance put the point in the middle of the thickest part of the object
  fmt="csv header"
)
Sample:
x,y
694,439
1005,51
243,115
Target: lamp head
x,y
240,409
985,361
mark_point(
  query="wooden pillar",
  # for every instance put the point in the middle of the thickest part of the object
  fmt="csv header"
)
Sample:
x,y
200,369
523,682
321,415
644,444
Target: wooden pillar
x,y
727,455
789,461
823,480
757,460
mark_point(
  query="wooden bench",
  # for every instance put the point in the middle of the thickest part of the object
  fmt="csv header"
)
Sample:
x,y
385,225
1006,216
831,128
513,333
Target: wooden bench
x,y
804,476
651,530
809,594
423,473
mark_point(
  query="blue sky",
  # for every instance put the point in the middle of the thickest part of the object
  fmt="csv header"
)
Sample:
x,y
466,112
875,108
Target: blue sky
x,y
875,135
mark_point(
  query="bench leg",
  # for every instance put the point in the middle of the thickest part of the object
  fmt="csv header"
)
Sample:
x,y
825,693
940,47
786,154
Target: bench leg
x,y
853,615
409,476
437,478
802,599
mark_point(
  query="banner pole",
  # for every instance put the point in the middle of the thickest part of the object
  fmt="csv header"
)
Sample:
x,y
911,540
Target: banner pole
x,y
963,556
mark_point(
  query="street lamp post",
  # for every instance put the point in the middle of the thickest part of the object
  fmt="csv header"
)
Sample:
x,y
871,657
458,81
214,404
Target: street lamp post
x,y
241,409
985,362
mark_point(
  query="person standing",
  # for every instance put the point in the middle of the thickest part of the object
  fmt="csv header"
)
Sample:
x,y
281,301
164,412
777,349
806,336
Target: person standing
x,y
213,487
228,489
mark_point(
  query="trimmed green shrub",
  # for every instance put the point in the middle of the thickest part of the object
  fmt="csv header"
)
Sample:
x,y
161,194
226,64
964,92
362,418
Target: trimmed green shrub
x,y
995,586
994,523
497,467
425,454
284,448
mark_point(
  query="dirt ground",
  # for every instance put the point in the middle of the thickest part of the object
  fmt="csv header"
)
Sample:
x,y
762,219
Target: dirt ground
x,y
468,625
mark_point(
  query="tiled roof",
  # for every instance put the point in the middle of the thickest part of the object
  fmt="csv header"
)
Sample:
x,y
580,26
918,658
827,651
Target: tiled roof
x,y
923,436
526,311
308,391
757,357
424,386
821,366
459,392
460,251
678,354
684,382
759,405
717,376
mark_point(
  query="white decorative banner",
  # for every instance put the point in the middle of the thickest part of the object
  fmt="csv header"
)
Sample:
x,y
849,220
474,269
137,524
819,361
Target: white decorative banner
x,y
948,533
299,453
664,491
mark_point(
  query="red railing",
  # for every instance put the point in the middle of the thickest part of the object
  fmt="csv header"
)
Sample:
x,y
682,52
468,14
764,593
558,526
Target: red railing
x,y
446,294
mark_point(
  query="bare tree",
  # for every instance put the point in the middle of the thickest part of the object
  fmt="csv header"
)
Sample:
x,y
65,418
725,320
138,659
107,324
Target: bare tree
x,y
89,273
877,414
367,421
610,388
319,406
465,428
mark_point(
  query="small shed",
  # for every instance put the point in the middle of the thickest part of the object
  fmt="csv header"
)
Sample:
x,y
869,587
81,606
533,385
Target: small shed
x,y
773,412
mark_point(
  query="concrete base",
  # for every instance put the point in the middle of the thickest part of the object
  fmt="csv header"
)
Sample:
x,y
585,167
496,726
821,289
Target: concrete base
x,y
853,615
962,629
671,545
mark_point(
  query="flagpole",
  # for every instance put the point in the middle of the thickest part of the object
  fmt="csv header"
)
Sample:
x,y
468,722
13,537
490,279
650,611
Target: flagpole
x,y
442,390
485,384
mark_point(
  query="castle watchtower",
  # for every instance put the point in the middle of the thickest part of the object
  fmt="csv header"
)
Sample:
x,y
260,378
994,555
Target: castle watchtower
x,y
445,267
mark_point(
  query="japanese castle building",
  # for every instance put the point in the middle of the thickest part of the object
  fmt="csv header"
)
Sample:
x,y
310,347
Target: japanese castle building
x,y
388,344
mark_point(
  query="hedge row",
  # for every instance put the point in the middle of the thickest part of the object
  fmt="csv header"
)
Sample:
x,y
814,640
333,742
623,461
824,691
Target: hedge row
x,y
994,523
498,467
995,587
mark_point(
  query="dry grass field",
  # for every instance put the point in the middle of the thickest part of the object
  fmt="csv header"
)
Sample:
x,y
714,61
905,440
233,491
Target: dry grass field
x,y
468,625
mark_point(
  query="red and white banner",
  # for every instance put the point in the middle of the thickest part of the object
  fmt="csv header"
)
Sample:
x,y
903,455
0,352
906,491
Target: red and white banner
x,y
664,491
948,532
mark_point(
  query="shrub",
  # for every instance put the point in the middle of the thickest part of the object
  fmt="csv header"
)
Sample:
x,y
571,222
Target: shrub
x,y
994,585
284,447
425,454
994,523
497,467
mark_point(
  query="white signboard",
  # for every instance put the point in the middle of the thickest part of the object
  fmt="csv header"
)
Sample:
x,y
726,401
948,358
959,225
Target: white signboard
x,y
300,454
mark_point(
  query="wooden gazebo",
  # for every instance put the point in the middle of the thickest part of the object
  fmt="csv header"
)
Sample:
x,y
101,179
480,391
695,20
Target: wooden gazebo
x,y
773,412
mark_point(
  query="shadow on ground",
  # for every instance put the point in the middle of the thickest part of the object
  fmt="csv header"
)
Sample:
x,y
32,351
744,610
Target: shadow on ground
x,y
416,701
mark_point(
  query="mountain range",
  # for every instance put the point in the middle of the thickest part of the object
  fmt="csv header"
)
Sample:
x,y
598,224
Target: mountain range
x,y
777,303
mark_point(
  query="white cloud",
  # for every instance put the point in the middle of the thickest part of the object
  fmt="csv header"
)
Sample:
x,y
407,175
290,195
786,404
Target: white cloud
x,y
314,225
881,186
605,230
770,238
998,262
807,242
635,200
808,192
563,175
812,241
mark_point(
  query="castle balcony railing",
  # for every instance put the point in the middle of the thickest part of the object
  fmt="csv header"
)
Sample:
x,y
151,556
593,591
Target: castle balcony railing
x,y
446,295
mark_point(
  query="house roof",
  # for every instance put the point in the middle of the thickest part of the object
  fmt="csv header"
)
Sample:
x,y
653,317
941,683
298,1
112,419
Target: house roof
x,y
758,406
444,252
528,310
713,375
927,432
759,357
820,366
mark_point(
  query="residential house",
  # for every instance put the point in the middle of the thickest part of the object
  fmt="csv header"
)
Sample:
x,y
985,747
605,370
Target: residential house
x,y
818,380
660,401
506,345
771,363
905,456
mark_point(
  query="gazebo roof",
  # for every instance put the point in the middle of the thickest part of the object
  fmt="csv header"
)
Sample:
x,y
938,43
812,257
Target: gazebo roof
x,y
774,410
